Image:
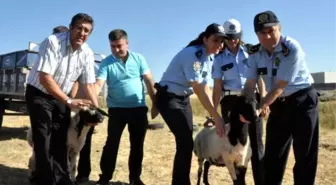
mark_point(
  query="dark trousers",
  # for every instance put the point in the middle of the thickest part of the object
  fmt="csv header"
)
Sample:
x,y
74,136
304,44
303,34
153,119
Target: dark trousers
x,y
293,119
84,162
176,112
137,127
255,134
49,120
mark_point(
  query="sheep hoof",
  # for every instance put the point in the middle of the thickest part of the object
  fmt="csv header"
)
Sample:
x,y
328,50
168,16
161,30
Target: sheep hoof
x,y
155,126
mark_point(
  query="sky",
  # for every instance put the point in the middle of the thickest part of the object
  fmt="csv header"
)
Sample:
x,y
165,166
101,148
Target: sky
x,y
159,29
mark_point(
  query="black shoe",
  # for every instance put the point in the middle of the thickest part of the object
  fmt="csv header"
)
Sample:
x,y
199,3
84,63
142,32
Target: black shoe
x,y
81,180
136,182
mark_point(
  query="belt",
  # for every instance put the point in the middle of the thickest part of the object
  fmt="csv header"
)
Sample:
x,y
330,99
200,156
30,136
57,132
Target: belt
x,y
231,92
173,95
164,90
296,94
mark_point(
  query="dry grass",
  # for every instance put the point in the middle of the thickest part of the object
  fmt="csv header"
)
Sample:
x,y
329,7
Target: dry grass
x,y
158,159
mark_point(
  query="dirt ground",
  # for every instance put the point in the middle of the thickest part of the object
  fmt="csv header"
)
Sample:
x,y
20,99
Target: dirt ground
x,y
158,157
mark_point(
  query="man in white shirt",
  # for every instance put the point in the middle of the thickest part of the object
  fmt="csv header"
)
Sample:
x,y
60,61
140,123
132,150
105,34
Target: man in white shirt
x,y
62,59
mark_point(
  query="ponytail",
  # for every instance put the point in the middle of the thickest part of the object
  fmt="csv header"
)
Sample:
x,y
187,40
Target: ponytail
x,y
197,41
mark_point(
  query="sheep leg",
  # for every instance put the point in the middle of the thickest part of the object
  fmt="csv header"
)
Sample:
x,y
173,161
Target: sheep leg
x,y
206,172
72,165
200,170
230,165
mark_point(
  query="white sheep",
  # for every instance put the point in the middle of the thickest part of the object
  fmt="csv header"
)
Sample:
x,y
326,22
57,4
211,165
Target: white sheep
x,y
233,149
77,133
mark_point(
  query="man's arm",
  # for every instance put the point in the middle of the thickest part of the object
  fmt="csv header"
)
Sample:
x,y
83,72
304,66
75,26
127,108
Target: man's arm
x,y
88,79
98,85
47,64
200,90
261,87
90,93
150,86
48,82
280,85
249,88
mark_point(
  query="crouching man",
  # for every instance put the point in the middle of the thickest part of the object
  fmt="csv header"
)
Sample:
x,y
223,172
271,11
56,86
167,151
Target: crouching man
x,y
62,59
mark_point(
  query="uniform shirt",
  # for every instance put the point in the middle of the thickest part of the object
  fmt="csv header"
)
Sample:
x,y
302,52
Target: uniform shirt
x,y
125,87
287,63
191,64
231,69
57,58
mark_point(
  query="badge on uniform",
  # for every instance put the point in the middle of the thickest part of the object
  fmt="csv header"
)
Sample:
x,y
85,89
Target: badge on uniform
x,y
277,61
197,66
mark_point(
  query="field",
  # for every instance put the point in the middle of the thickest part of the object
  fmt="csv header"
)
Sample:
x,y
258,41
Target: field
x,y
159,153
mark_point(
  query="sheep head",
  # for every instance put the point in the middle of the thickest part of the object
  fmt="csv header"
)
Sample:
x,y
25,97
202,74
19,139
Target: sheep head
x,y
245,107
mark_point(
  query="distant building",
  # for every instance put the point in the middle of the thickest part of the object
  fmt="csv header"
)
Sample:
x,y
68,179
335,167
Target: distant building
x,y
324,80
324,77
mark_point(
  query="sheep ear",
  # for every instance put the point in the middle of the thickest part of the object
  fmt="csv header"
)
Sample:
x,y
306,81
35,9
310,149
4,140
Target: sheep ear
x,y
102,112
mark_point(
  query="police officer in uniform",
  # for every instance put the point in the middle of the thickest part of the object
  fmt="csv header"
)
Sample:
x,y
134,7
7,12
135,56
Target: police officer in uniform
x,y
189,72
229,79
292,101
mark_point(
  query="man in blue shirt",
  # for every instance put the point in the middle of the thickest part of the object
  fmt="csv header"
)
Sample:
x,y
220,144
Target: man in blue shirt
x,y
292,101
124,72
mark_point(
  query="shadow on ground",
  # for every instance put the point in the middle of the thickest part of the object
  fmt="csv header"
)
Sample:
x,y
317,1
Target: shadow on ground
x,y
13,176
7,133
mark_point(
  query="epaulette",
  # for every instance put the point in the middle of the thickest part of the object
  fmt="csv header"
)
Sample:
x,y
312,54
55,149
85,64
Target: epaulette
x,y
285,49
198,54
254,49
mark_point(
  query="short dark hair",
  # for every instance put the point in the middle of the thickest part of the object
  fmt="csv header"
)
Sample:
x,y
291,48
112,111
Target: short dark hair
x,y
117,34
60,29
81,17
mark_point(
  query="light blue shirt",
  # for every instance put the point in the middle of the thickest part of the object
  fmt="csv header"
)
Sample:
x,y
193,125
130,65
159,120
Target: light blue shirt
x,y
125,87
231,69
191,64
287,63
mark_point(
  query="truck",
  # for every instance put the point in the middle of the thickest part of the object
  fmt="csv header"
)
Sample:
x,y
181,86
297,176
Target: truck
x,y
14,71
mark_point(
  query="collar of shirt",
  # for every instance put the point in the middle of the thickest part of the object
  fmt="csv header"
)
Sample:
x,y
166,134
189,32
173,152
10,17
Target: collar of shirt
x,y
241,49
68,41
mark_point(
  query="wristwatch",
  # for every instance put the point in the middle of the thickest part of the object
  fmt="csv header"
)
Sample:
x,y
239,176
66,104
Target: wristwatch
x,y
68,101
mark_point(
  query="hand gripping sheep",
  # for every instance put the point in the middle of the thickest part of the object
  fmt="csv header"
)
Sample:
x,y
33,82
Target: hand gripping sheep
x,y
77,132
233,149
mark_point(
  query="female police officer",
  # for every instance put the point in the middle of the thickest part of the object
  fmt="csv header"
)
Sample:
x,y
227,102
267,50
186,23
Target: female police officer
x,y
292,100
229,78
189,72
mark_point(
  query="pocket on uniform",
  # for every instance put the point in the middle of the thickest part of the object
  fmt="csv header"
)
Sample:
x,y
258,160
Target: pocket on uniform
x,y
309,101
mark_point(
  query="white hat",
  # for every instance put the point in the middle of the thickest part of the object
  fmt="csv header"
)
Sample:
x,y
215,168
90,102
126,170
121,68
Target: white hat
x,y
232,28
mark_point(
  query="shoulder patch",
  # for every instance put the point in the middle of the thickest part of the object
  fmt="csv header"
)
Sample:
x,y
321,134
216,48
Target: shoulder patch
x,y
198,54
285,49
254,49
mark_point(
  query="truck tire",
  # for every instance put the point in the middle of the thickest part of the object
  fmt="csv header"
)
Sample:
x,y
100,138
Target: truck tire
x,y
2,109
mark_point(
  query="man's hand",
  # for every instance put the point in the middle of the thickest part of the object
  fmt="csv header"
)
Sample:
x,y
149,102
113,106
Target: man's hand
x,y
219,123
154,112
263,112
79,103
